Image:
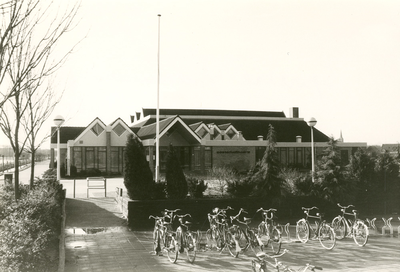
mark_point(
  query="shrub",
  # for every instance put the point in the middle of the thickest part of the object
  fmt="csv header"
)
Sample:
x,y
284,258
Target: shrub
x,y
224,176
176,182
30,227
138,178
196,187
159,191
240,187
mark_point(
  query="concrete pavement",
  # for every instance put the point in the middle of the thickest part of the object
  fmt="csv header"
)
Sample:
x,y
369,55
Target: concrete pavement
x,y
97,239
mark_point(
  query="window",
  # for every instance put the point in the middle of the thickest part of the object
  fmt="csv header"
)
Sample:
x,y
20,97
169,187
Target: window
x,y
291,156
114,167
97,129
89,155
299,156
77,158
102,156
202,132
197,162
230,133
283,155
119,129
207,158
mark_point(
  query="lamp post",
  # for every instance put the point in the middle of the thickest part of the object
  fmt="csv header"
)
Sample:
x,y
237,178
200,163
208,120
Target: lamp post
x,y
58,121
311,123
157,170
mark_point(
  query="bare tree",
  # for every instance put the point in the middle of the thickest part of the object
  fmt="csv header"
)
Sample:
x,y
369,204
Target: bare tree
x,y
29,52
39,108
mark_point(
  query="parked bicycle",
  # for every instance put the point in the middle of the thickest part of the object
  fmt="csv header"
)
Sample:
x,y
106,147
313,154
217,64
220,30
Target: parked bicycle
x,y
162,228
322,231
220,233
346,227
260,264
268,231
242,239
251,235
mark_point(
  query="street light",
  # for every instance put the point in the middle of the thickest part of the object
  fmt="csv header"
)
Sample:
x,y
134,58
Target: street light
x,y
311,123
58,121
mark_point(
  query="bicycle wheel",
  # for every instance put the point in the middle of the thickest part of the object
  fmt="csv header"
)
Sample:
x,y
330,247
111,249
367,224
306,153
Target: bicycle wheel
x,y
253,241
157,244
275,240
172,248
233,246
256,266
339,226
326,236
242,239
360,233
190,247
302,231
263,235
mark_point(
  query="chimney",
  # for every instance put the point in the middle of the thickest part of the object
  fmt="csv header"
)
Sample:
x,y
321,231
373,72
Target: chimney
x,y
298,139
138,115
294,112
260,138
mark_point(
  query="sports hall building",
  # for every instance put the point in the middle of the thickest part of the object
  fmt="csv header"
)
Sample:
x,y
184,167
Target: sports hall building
x,y
202,138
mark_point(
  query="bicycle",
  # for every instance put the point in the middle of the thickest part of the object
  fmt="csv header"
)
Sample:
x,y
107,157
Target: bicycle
x,y
323,232
260,264
345,227
186,239
158,234
212,234
220,233
252,237
161,228
170,242
242,240
268,231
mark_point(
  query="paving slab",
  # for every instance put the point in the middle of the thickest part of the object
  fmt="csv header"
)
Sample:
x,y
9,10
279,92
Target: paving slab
x,y
98,239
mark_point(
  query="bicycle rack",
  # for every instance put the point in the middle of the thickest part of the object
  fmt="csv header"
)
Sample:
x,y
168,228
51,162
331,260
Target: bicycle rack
x,y
388,226
371,226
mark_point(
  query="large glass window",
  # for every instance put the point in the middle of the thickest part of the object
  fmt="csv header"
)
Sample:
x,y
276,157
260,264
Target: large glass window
x,y
102,155
283,152
291,156
197,162
77,162
299,156
207,158
89,155
114,167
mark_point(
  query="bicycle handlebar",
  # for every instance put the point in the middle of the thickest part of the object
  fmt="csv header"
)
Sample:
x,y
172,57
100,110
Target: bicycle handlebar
x,y
156,217
345,207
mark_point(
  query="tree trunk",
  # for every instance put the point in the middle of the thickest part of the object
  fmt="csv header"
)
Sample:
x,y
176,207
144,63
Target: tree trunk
x,y
32,168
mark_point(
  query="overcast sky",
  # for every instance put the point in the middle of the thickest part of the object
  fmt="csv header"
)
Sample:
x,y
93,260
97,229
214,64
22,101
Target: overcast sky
x,y
338,61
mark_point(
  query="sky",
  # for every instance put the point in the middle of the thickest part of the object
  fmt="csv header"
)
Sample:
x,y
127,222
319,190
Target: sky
x,y
337,61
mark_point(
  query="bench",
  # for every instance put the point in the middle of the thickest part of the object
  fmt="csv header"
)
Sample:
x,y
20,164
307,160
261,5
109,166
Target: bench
x,y
96,183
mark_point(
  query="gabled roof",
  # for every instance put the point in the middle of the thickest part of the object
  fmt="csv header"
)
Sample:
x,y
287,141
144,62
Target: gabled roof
x,y
251,124
149,132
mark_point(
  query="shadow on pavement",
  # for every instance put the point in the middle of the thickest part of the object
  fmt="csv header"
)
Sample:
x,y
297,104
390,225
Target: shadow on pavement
x,y
93,212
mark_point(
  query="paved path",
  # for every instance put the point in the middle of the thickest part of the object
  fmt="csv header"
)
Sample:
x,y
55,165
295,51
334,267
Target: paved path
x,y
97,239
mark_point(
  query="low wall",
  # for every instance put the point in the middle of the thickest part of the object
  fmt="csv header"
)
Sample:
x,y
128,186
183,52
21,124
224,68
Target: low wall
x,y
137,212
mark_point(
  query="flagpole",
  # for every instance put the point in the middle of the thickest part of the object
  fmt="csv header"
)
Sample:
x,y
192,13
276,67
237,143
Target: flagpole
x,y
157,170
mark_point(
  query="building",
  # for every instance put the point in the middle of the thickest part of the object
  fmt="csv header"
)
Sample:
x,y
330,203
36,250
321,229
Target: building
x,y
202,138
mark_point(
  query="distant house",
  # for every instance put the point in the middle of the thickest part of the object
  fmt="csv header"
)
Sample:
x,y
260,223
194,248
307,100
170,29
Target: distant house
x,y
202,138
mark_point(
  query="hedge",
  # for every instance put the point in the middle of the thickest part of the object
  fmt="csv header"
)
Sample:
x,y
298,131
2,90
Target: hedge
x,y
30,227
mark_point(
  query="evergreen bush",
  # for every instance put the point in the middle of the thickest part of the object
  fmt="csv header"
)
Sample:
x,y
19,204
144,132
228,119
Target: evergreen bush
x,y
30,227
177,187
138,178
